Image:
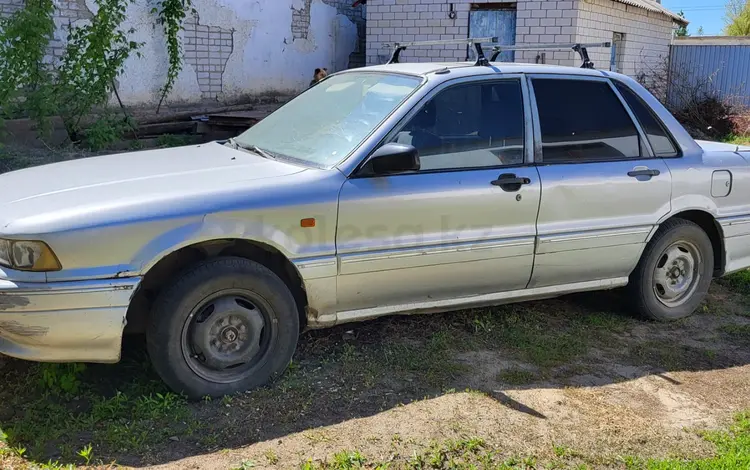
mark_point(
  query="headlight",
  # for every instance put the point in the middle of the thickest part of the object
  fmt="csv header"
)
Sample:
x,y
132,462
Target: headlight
x,y
28,256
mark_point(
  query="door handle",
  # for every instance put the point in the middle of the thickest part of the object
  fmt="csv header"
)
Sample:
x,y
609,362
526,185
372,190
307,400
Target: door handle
x,y
510,182
643,172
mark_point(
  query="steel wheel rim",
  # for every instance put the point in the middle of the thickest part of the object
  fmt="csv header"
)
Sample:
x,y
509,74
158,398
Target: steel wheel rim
x,y
677,273
227,335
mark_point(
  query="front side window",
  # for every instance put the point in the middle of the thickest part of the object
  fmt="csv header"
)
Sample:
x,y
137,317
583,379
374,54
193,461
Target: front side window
x,y
583,120
473,125
322,126
655,131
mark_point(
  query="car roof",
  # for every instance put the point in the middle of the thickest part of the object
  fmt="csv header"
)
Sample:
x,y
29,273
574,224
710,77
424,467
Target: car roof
x,y
424,69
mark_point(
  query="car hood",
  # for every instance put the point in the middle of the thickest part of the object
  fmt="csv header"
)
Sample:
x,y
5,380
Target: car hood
x,y
96,184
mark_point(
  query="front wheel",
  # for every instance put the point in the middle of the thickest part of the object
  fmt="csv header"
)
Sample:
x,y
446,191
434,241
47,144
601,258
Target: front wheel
x,y
674,273
224,326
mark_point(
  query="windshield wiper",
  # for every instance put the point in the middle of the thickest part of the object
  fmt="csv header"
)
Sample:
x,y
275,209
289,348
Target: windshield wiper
x,y
252,148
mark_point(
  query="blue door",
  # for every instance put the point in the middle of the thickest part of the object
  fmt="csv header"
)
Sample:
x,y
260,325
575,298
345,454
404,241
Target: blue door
x,y
491,23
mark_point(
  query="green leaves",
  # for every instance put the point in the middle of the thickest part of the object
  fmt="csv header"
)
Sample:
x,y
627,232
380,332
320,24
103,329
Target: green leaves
x,y
94,58
26,81
32,83
171,14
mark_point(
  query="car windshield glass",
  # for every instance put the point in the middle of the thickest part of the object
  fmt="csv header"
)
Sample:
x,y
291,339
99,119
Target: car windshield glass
x,y
326,123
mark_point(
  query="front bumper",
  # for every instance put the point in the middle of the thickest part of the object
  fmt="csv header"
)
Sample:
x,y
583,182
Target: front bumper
x,y
64,321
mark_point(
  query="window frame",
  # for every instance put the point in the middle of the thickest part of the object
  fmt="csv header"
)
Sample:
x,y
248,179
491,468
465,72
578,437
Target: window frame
x,y
654,115
645,144
528,137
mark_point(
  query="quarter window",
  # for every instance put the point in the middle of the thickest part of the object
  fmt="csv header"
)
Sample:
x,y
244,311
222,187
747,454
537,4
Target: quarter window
x,y
655,131
583,120
473,125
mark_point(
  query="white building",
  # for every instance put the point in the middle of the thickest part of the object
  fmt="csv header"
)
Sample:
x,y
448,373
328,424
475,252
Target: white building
x,y
640,29
231,48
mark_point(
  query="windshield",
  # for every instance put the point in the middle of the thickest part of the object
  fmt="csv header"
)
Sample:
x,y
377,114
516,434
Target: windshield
x,y
326,123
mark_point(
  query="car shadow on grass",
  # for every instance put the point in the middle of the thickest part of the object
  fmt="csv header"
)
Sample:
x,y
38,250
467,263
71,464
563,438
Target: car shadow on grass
x,y
52,412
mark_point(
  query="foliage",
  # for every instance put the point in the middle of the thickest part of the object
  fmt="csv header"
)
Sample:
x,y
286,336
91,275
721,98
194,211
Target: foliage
x,y
682,30
708,114
62,378
105,131
171,14
94,58
737,18
33,84
693,101
25,77
733,450
86,453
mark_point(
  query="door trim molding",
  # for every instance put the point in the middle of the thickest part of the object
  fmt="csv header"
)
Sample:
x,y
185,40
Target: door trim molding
x,y
497,298
352,257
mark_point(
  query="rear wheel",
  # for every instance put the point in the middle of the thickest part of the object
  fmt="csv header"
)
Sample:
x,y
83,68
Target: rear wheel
x,y
226,325
674,273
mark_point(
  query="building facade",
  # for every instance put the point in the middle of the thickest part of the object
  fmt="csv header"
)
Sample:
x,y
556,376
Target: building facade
x,y
232,49
641,30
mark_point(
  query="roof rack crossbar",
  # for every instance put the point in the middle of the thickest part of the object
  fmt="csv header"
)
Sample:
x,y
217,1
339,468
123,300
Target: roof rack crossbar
x,y
497,49
476,42
580,48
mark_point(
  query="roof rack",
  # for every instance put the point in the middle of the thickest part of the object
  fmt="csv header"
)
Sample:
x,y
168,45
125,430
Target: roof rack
x,y
476,42
580,48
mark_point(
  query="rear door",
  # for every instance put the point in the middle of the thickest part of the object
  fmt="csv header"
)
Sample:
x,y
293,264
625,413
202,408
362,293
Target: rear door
x,y
603,189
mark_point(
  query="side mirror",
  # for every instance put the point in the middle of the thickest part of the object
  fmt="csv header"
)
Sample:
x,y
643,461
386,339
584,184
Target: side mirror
x,y
394,158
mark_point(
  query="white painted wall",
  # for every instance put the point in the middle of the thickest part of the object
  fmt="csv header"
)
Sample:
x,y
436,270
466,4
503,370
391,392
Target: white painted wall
x,y
263,57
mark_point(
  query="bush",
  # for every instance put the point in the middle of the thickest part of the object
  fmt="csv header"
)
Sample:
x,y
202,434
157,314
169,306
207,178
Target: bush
x,y
695,103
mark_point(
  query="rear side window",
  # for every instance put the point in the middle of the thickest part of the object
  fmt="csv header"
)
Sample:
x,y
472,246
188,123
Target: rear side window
x,y
583,121
655,131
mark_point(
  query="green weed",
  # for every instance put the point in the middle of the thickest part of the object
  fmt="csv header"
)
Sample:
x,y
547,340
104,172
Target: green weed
x,y
516,376
62,378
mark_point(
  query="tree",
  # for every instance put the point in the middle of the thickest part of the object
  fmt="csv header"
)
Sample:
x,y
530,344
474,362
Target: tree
x,y
682,30
700,31
737,18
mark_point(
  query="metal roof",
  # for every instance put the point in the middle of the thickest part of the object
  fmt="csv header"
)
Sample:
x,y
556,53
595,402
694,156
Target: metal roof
x,y
656,7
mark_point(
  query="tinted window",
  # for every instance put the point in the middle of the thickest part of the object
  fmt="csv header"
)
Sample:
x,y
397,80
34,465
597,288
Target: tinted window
x,y
583,120
469,126
654,129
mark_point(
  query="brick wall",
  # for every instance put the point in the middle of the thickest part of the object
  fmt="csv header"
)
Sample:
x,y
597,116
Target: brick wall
x,y
391,21
301,25
66,12
546,22
647,34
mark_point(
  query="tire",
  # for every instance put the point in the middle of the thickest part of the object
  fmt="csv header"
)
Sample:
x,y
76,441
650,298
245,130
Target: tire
x,y
664,291
224,326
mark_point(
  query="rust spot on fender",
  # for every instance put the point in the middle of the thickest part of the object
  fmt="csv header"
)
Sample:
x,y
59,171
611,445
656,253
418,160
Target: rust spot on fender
x,y
18,329
311,312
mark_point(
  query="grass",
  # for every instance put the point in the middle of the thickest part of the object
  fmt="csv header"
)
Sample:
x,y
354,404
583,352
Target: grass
x,y
732,451
739,281
78,415
738,139
516,376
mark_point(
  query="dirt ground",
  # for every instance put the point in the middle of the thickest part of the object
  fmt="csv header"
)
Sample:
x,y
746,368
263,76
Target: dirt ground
x,y
564,382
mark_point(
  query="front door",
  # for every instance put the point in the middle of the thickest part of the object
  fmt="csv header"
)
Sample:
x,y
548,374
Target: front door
x,y
464,224
603,190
